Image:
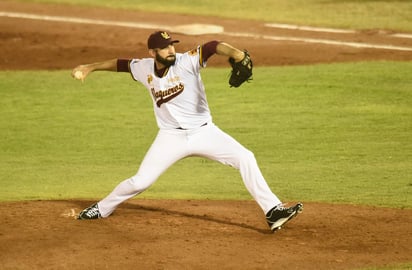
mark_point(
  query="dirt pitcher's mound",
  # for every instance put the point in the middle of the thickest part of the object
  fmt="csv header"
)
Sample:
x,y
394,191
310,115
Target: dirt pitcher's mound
x,y
185,234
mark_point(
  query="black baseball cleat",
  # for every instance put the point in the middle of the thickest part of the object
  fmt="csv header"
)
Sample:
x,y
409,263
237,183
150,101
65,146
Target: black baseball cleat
x,y
91,212
279,215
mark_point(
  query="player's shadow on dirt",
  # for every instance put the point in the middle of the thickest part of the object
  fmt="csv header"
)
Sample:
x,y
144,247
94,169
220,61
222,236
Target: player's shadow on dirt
x,y
193,216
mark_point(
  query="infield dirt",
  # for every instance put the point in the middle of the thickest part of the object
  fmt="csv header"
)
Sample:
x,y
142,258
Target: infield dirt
x,y
188,234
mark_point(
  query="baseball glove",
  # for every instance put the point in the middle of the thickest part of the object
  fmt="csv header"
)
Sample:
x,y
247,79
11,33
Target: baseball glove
x,y
241,71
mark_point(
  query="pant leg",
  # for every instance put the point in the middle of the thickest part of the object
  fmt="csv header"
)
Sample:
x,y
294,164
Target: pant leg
x,y
167,148
213,143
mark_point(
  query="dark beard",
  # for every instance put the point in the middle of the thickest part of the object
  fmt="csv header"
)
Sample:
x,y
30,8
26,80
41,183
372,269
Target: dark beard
x,y
165,61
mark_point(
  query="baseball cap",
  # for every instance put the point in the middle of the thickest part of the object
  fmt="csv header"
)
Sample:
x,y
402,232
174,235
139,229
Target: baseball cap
x,y
160,40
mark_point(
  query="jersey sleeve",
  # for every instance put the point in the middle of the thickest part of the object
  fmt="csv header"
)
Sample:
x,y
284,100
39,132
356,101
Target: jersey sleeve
x,y
198,56
123,65
208,49
204,52
137,69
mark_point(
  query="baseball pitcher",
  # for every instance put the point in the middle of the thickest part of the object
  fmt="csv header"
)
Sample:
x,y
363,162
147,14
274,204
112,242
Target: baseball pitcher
x,y
185,123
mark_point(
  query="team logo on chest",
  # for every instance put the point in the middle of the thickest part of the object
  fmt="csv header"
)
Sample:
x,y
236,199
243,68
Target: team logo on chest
x,y
163,96
149,79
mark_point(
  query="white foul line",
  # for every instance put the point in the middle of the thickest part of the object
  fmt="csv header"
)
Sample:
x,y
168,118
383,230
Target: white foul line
x,y
402,35
322,29
322,41
309,28
192,29
235,34
80,20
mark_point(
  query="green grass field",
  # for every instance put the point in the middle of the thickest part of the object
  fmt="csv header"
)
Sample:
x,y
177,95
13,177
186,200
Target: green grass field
x,y
335,133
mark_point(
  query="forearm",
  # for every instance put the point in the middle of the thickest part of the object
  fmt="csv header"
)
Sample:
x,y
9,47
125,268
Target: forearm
x,y
229,51
109,65
82,71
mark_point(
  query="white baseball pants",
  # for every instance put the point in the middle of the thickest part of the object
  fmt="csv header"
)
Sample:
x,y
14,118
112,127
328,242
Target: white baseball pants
x,y
207,141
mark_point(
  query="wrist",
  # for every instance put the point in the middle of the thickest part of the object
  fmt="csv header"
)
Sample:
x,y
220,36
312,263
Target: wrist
x,y
229,51
238,55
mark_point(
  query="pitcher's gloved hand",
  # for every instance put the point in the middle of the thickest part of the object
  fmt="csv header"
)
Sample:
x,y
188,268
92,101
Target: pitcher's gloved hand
x,y
241,71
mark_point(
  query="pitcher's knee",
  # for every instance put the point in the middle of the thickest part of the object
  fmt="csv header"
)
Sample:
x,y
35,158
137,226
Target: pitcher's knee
x,y
247,156
139,184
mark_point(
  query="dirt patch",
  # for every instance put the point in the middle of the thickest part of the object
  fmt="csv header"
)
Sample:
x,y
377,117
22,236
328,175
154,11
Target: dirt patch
x,y
35,44
184,234
159,234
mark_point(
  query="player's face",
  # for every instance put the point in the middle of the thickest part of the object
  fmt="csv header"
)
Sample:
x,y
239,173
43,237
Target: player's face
x,y
166,56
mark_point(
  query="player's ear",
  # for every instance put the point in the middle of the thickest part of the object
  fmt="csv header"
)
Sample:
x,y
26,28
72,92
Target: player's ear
x,y
152,52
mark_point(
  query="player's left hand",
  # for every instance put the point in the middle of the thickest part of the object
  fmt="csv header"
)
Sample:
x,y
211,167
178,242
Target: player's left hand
x,y
241,71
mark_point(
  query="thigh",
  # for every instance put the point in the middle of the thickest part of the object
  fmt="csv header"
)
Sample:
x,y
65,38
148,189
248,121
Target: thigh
x,y
166,149
215,144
